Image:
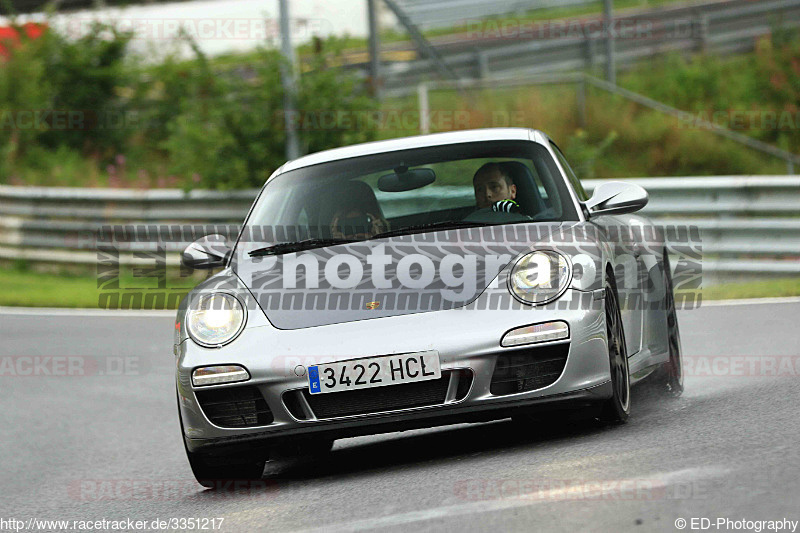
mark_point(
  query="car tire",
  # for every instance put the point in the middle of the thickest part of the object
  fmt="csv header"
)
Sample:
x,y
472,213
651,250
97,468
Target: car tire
x,y
217,470
616,409
669,378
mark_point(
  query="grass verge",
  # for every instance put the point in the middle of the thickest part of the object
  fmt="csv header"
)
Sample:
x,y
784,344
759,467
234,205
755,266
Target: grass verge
x,y
774,288
24,288
32,289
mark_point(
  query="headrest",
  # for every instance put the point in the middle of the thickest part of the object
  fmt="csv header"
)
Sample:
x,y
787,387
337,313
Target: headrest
x,y
344,196
528,197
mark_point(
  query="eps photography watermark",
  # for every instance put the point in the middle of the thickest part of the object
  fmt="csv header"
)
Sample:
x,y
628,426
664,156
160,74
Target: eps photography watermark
x,y
735,524
470,268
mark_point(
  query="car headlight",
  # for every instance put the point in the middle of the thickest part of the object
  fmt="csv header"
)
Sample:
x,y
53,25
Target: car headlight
x,y
215,319
540,277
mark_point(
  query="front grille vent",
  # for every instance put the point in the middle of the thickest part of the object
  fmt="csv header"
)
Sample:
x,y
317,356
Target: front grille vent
x,y
528,369
235,407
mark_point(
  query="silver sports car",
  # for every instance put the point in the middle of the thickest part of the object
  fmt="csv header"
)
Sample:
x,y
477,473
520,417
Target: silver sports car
x,y
439,279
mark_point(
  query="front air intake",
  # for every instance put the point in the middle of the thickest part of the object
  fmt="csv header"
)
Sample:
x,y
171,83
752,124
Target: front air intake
x,y
235,407
528,369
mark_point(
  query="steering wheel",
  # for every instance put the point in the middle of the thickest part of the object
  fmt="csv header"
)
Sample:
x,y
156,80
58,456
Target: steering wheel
x,y
490,216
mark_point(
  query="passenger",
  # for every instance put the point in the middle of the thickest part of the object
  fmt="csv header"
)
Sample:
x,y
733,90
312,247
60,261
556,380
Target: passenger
x,y
355,222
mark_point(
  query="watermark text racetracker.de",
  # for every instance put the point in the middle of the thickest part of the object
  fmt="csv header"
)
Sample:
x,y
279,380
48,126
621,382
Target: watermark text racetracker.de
x,y
165,489
118,524
201,28
577,489
634,28
70,366
741,366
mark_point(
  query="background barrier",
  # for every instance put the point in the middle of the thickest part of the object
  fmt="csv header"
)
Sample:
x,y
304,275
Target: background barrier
x,y
749,225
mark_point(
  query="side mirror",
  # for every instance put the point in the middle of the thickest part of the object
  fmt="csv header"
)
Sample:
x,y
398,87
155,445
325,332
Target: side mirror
x,y
615,198
210,251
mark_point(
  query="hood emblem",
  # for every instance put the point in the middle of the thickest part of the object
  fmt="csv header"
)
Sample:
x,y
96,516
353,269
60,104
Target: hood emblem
x,y
373,305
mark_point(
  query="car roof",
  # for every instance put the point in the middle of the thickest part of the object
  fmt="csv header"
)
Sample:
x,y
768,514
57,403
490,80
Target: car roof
x,y
418,141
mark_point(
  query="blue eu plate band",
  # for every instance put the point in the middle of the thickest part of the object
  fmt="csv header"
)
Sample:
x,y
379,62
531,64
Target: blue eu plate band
x,y
313,379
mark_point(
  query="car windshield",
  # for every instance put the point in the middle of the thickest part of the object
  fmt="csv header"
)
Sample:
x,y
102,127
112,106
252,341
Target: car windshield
x,y
408,191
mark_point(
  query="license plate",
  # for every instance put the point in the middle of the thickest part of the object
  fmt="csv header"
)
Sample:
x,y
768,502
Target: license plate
x,y
374,372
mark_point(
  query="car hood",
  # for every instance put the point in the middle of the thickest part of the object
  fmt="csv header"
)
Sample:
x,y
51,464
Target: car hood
x,y
386,277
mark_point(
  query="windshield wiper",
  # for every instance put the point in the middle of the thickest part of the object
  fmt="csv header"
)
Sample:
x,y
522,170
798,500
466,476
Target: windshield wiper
x,y
297,246
308,244
450,224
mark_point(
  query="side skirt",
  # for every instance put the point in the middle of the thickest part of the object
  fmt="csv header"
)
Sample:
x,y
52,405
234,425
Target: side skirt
x,y
644,362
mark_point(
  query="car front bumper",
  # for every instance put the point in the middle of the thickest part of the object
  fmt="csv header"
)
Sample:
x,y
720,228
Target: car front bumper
x,y
464,339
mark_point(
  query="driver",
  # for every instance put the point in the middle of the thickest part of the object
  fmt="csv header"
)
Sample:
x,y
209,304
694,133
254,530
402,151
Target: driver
x,y
354,222
495,189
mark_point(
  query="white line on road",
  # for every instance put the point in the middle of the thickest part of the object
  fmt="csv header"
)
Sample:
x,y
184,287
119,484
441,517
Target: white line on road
x,y
659,480
750,301
105,313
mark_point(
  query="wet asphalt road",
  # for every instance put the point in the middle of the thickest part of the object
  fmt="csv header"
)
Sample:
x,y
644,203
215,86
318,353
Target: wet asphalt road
x,y
108,446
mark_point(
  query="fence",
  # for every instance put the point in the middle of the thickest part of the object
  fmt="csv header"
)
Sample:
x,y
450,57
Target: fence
x,y
427,14
749,225
518,48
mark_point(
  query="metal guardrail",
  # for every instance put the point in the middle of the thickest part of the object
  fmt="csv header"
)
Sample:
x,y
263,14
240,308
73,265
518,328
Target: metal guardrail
x,y
442,13
748,225
496,51
63,225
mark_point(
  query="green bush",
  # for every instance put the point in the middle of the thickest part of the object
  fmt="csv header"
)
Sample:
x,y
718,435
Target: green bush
x,y
24,85
700,83
338,101
757,94
583,154
232,134
56,93
224,135
84,75
778,85
219,123
185,121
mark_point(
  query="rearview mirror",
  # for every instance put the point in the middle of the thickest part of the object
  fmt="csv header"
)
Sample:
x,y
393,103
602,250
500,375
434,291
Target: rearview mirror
x,y
210,251
405,179
616,198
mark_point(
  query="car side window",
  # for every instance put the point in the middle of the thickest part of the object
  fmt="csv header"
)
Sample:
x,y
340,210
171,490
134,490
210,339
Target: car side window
x,y
573,179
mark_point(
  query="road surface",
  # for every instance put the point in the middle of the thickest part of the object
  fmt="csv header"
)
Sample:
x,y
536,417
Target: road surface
x,y
93,447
